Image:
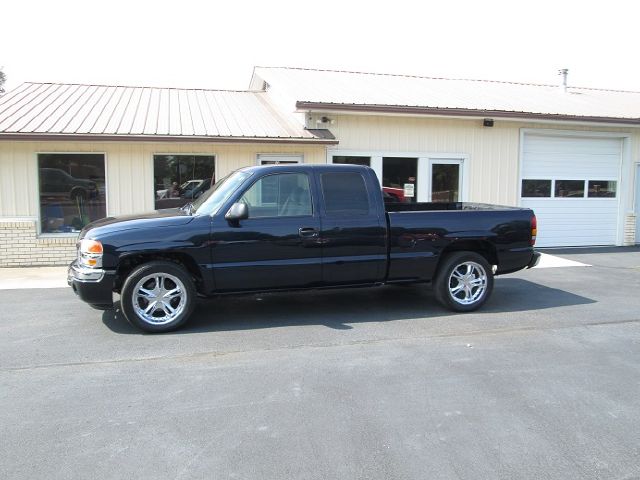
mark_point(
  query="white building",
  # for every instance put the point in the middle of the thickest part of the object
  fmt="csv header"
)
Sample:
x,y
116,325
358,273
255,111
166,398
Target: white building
x,y
73,153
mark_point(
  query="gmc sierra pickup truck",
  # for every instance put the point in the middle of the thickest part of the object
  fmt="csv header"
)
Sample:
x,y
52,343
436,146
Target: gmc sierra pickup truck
x,y
286,227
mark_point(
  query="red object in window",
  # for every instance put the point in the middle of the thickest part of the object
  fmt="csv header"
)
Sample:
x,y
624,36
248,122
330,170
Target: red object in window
x,y
395,192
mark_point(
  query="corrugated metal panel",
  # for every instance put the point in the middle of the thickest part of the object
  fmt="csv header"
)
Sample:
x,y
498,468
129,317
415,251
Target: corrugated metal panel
x,y
50,108
354,88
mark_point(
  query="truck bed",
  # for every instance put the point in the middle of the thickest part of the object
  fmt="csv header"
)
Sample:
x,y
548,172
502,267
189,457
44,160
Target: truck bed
x,y
420,233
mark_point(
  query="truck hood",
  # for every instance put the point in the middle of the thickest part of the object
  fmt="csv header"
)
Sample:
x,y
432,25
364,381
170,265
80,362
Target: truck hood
x,y
156,219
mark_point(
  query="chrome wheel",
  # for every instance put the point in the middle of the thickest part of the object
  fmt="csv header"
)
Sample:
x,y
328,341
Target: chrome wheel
x,y
159,298
467,283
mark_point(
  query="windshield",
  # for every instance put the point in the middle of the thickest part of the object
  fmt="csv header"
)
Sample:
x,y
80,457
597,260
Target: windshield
x,y
210,202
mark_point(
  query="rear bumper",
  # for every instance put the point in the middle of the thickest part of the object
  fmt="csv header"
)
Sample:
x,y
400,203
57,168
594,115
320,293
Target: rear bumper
x,y
535,259
92,285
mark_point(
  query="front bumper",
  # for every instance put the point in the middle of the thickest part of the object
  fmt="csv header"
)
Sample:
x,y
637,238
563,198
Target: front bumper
x,y
92,285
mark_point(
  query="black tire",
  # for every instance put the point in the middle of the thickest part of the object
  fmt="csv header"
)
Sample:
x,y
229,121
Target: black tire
x,y
133,305
466,300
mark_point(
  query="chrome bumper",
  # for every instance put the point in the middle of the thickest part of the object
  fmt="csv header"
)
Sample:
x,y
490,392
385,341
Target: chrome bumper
x,y
83,274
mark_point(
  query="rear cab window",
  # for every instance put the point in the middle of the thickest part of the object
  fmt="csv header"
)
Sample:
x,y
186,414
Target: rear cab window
x,y
345,193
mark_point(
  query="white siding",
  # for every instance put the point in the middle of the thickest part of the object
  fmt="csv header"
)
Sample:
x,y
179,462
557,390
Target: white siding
x,y
129,169
493,152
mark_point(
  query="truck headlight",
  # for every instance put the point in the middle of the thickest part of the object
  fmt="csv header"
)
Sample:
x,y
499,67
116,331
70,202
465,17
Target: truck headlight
x,y
90,253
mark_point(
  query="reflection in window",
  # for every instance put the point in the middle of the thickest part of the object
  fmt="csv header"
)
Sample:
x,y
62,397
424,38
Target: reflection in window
x,y
279,195
399,178
351,160
445,181
72,192
536,188
180,179
602,188
569,188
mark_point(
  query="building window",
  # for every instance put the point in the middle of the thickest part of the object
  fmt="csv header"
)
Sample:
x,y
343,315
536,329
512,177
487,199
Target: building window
x,y
72,190
275,159
569,188
536,188
602,188
351,160
180,179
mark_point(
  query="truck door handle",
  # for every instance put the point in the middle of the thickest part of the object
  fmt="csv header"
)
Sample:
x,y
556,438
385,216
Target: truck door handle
x,y
308,232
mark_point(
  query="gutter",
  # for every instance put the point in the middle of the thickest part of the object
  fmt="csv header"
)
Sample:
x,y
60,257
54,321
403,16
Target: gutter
x,y
163,138
460,112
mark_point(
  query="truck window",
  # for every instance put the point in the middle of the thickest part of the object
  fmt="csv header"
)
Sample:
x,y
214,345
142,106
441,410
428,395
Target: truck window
x,y
345,194
279,195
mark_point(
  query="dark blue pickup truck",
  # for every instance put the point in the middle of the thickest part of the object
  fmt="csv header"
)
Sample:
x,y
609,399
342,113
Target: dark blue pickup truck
x,y
285,227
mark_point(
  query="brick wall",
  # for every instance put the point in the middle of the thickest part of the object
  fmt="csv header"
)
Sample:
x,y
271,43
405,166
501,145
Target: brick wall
x,y
20,246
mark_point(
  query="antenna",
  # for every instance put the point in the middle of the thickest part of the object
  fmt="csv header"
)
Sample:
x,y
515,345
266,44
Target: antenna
x,y
564,72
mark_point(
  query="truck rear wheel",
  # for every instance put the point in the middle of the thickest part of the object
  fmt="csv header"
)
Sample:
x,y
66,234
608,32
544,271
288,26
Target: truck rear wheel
x,y
464,281
158,296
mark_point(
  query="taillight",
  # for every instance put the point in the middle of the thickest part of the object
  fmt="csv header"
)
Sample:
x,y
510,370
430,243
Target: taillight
x,y
534,230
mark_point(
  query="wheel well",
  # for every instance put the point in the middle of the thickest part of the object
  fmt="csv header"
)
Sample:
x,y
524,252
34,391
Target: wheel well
x,y
482,247
128,263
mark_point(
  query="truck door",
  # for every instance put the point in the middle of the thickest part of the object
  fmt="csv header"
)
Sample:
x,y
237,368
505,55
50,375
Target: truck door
x,y
354,229
278,246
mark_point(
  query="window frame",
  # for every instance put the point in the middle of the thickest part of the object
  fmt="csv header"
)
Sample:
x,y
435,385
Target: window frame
x,y
36,160
424,158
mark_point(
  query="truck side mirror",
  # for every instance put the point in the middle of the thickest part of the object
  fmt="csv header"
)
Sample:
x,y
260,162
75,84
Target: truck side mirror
x,y
238,211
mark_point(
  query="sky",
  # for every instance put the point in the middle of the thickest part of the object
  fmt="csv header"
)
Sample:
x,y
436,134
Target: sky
x,y
214,44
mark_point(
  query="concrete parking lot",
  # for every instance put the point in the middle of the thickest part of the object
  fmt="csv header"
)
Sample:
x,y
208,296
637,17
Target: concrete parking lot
x,y
542,383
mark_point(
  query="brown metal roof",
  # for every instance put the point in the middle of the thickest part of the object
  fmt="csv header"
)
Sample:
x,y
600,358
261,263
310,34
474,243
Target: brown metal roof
x,y
358,91
62,111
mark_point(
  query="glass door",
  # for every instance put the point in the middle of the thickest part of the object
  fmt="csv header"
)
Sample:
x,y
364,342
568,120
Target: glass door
x,y
446,180
399,179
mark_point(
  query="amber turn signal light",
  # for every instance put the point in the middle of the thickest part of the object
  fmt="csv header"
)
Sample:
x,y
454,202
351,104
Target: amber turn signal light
x,y
91,246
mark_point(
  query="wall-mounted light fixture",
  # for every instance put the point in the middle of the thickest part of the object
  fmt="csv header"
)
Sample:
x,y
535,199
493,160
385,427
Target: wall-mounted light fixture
x,y
487,122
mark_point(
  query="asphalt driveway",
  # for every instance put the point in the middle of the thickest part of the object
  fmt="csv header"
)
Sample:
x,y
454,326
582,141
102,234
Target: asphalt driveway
x,y
382,383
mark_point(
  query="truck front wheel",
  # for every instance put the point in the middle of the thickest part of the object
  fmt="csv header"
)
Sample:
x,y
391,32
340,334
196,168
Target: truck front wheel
x,y
158,296
464,281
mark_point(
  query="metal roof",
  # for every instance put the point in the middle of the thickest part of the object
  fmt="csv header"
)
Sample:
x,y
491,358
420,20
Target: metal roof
x,y
357,91
108,111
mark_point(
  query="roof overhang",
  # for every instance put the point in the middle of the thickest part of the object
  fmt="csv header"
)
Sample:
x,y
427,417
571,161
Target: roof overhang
x,y
460,113
326,140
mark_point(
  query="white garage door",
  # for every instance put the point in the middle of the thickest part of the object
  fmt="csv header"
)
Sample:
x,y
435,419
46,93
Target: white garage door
x,y
572,185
